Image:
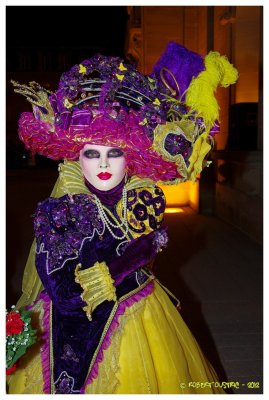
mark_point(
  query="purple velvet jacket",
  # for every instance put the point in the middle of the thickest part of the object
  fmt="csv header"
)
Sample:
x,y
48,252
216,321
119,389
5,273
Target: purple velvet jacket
x,y
69,231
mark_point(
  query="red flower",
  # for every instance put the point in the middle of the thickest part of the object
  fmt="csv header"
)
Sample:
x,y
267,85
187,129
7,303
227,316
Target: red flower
x,y
12,369
14,324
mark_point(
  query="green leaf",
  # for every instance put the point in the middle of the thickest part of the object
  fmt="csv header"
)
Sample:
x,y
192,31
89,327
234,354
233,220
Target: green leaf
x,y
21,351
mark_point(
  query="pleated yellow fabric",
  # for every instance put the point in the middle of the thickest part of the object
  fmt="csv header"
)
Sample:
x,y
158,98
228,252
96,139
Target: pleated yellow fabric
x,y
151,352
157,353
28,379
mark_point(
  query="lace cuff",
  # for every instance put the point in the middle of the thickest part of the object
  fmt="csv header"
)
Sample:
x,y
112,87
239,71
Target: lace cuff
x,y
97,286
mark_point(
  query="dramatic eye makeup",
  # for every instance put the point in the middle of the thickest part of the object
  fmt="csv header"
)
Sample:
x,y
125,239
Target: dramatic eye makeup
x,y
91,153
112,153
115,153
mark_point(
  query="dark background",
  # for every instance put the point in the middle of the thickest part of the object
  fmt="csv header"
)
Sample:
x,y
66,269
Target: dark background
x,y
97,28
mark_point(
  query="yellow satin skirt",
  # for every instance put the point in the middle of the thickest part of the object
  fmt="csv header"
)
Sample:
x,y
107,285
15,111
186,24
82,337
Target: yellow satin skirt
x,y
151,352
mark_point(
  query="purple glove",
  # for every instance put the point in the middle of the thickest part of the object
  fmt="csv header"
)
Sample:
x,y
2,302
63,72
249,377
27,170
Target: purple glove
x,y
138,253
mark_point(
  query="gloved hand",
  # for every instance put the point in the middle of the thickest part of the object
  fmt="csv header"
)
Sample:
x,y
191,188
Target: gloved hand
x,y
138,253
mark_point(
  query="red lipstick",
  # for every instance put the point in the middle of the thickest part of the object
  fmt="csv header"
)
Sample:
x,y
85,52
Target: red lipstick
x,y
104,175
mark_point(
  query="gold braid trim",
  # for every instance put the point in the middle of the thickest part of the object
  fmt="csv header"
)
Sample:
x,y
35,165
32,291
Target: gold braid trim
x,y
97,285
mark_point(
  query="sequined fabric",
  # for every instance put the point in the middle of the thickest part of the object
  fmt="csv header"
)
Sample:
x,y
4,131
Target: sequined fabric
x,y
60,226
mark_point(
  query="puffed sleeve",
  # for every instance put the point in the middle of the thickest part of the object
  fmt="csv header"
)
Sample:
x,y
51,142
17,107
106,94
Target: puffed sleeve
x,y
56,260
145,210
145,216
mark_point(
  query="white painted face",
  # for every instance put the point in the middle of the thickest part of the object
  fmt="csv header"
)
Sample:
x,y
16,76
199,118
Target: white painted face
x,y
102,166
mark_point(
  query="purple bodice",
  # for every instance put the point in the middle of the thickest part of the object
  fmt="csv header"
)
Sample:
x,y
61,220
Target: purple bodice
x,y
70,231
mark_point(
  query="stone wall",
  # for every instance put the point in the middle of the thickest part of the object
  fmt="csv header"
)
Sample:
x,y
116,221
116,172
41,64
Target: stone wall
x,y
239,191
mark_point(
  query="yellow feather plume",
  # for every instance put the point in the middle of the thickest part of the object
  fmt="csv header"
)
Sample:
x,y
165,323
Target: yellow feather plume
x,y
200,93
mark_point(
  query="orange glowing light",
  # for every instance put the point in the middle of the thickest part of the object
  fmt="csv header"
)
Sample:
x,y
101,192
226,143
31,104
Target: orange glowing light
x,y
172,210
182,195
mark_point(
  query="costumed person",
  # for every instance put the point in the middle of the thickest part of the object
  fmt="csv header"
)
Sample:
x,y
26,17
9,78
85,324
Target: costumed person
x,y
106,324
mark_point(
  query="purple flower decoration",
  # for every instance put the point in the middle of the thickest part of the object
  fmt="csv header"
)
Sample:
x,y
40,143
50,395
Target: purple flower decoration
x,y
178,144
159,205
140,212
146,197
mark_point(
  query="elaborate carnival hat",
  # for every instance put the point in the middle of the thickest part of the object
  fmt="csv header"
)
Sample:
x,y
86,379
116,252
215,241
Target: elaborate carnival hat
x,y
165,122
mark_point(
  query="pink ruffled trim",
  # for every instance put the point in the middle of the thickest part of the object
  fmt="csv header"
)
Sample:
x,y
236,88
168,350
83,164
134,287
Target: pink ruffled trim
x,y
129,135
45,338
114,324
